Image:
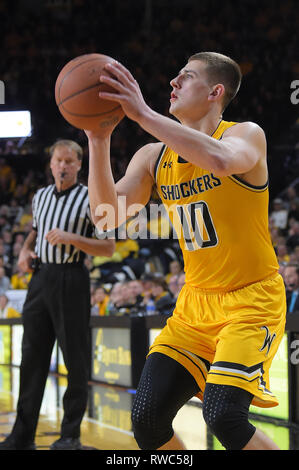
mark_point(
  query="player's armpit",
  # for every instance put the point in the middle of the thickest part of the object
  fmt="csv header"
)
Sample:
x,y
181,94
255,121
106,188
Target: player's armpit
x,y
137,183
133,190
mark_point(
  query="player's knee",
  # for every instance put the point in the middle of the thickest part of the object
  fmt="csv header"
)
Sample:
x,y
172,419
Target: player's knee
x,y
151,429
226,416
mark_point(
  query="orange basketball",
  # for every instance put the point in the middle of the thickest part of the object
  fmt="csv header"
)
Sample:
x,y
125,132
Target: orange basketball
x,y
77,93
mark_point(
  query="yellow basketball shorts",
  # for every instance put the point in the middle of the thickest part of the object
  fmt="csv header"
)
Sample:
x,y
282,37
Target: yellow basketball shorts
x,y
228,338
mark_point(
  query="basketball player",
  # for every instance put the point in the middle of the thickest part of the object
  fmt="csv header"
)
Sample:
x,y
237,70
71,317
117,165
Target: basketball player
x,y
230,315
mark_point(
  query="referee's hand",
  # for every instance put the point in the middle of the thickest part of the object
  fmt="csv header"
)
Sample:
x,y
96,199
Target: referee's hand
x,y
25,260
56,236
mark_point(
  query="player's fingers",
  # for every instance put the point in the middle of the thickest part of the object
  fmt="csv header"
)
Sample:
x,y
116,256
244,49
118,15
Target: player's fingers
x,y
124,70
119,71
111,96
114,83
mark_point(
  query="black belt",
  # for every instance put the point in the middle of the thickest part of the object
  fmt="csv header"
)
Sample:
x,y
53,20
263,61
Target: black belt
x,y
37,263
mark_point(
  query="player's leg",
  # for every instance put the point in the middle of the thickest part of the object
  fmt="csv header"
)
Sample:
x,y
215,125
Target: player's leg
x,y
260,441
164,387
225,410
175,443
239,374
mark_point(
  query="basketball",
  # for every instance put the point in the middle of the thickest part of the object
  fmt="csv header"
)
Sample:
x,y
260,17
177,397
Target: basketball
x,y
77,93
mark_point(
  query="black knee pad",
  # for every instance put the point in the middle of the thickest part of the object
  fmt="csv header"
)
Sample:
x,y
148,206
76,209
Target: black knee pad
x,y
163,389
151,429
225,411
151,426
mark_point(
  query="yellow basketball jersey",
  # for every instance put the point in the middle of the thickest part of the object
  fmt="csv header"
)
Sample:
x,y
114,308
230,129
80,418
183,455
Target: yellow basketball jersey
x,y
221,222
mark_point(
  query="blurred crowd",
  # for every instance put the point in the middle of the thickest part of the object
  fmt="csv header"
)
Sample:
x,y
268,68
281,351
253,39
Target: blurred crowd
x,y
39,37
153,38
144,275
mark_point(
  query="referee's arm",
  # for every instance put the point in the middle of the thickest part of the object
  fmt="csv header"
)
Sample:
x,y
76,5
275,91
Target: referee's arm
x,y
90,246
27,253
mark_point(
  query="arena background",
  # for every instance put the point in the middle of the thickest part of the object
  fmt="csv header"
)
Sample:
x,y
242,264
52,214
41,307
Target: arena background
x,y
153,38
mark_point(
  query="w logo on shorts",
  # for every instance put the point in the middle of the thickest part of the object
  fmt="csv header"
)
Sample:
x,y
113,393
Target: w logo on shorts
x,y
268,339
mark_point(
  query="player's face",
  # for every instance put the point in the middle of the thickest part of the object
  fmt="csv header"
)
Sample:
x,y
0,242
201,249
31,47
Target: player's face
x,y
190,92
65,165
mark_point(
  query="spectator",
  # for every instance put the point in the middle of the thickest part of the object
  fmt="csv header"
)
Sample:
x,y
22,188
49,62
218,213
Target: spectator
x,y
115,297
4,281
282,253
136,288
100,301
164,301
293,215
292,239
7,242
175,268
282,266
296,254
181,281
122,299
291,279
6,310
291,196
279,214
20,279
147,280
173,285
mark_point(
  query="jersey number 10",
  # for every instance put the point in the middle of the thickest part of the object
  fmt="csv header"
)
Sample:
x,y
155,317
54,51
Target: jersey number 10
x,y
197,226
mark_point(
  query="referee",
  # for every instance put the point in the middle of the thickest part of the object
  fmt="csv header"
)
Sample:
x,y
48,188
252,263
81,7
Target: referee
x,y
58,299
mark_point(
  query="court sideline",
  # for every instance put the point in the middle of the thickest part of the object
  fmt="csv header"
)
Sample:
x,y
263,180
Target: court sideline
x,y
107,422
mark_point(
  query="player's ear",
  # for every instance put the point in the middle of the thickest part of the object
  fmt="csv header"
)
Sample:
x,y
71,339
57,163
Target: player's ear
x,y
217,92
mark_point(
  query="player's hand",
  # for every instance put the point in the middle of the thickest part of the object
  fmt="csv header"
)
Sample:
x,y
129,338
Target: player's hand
x,y
25,260
101,133
127,91
57,236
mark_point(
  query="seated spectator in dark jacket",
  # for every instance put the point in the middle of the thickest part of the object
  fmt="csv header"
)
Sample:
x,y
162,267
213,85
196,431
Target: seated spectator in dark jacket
x,y
122,300
291,279
293,236
164,301
136,288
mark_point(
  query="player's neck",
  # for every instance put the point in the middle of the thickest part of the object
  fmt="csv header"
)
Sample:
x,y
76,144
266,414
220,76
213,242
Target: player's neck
x,y
206,124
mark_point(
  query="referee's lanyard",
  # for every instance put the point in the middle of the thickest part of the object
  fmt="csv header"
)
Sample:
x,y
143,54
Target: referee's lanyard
x,y
293,301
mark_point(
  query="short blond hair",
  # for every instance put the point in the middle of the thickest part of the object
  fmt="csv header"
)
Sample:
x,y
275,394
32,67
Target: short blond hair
x,y
221,69
67,143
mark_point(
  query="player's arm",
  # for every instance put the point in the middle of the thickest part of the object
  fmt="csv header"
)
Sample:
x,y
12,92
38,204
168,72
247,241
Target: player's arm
x,y
110,202
237,153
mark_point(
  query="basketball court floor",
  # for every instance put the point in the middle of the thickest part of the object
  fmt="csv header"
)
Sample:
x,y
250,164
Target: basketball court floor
x,y
107,424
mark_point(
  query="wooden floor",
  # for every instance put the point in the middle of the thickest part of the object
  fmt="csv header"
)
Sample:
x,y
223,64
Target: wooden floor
x,y
107,423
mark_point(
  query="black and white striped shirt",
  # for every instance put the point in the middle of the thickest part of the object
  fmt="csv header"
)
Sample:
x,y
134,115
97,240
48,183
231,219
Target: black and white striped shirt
x,y
67,210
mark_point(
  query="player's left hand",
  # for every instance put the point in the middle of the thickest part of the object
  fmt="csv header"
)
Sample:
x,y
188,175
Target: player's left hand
x,y
56,236
127,90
